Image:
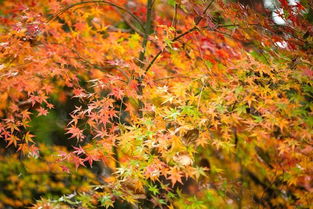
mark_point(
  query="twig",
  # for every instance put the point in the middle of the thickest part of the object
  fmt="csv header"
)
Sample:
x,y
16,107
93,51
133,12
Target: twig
x,y
180,36
174,21
153,60
199,99
99,2
204,11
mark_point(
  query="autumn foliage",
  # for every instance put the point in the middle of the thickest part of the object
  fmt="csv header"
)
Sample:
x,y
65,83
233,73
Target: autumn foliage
x,y
170,104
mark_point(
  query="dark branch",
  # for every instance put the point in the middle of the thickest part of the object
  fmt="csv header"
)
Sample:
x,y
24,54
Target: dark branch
x,y
99,2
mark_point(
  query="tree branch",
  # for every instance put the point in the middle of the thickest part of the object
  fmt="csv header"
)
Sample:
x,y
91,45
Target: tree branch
x,y
147,32
180,36
99,2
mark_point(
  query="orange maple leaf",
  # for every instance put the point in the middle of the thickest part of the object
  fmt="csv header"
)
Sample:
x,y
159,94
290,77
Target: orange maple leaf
x,y
12,140
175,176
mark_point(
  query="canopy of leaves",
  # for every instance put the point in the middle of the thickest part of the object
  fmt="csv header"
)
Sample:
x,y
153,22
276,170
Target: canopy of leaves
x,y
181,104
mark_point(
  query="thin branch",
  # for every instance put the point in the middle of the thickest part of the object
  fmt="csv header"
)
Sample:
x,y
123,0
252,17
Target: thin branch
x,y
121,105
142,55
99,2
204,12
172,77
185,33
174,21
107,67
200,95
209,5
180,36
173,40
153,60
147,31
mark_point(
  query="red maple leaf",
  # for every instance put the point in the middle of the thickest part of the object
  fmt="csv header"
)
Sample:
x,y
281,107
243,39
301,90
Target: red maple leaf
x,y
76,132
42,111
90,158
78,150
118,93
65,169
284,3
77,161
308,72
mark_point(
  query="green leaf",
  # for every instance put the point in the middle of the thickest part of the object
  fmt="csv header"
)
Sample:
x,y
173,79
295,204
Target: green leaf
x,y
238,90
190,111
173,113
171,2
106,201
242,109
257,119
208,64
154,189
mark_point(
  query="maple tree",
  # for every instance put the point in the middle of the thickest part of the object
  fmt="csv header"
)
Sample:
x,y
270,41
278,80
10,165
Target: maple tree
x,y
179,104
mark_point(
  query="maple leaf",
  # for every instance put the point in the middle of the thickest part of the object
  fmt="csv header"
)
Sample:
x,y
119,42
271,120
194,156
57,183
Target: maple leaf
x,y
183,159
78,150
133,84
42,111
5,134
308,72
91,157
80,26
78,92
12,140
33,151
101,133
74,120
175,176
50,106
65,168
106,201
47,88
14,107
249,99
284,3
299,6
28,137
26,114
13,126
118,93
76,133
77,161
23,147
203,139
